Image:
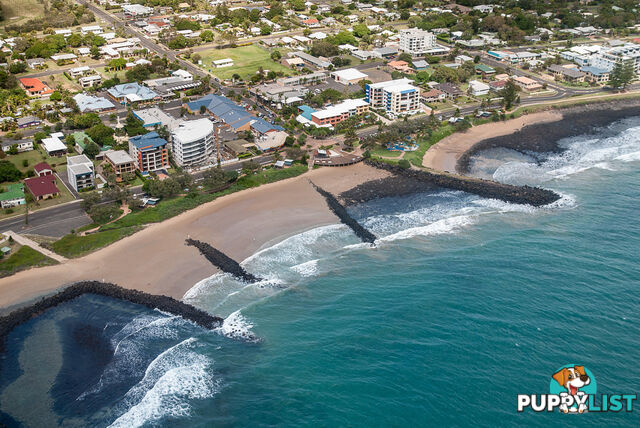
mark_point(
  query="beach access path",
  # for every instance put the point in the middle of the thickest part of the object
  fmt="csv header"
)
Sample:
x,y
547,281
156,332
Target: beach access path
x,y
156,259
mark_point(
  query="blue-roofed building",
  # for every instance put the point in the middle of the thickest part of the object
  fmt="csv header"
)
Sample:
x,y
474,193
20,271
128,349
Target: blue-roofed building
x,y
596,75
262,127
130,93
306,111
149,151
233,115
87,103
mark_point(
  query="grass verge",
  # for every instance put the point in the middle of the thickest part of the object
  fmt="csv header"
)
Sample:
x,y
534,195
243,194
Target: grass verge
x,y
24,258
73,245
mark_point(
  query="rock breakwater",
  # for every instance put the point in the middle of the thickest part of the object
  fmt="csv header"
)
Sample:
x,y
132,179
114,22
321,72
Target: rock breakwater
x,y
163,303
527,195
222,261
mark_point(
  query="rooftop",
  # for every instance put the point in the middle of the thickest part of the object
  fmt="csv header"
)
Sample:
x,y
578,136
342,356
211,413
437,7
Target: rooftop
x,y
41,186
349,74
191,130
90,103
148,141
14,191
132,91
119,157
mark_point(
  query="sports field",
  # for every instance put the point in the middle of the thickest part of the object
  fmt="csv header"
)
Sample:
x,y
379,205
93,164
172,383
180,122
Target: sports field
x,y
246,61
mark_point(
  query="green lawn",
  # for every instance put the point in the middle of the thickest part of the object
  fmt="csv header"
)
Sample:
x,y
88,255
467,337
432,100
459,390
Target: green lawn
x,y
381,151
246,61
23,258
416,157
76,246
33,157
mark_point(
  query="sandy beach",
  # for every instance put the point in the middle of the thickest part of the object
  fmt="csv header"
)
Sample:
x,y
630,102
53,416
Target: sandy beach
x,y
156,259
444,155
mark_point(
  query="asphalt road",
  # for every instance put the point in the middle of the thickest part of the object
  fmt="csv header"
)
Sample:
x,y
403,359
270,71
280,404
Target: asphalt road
x,y
56,221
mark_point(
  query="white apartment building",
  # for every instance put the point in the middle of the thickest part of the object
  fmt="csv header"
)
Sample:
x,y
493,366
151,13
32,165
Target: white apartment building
x,y
80,172
416,42
606,59
192,142
397,97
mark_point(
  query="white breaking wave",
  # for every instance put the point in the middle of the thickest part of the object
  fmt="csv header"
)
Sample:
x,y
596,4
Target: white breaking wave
x,y
309,268
440,227
173,378
580,155
236,326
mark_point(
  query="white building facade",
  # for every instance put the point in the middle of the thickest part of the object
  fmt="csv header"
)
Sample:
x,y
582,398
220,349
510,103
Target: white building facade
x,y
192,142
416,42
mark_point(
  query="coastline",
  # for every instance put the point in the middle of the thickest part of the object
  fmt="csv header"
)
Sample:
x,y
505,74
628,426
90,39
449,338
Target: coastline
x,y
534,132
157,261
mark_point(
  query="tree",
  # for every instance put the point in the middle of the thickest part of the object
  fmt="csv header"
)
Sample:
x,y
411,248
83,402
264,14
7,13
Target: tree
x,y
276,55
56,96
213,178
91,150
101,134
509,94
207,36
322,48
622,74
404,164
9,172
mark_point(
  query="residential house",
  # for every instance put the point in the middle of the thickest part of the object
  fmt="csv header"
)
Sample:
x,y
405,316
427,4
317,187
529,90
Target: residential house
x,y
27,121
13,196
432,96
36,87
130,93
53,145
90,81
451,91
42,187
478,89
401,66
20,145
527,84
42,169
484,70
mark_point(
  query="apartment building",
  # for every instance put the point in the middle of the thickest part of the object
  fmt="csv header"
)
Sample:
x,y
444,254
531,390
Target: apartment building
x,y
397,97
149,151
80,172
192,142
121,163
333,115
416,42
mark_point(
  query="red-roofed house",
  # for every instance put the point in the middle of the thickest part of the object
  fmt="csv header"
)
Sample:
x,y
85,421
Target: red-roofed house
x,y
43,169
402,66
311,22
35,87
42,187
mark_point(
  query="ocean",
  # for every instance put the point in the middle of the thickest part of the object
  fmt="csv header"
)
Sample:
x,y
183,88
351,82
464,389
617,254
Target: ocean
x,y
463,304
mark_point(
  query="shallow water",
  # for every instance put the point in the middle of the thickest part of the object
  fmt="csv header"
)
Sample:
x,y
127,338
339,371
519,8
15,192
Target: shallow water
x,y
463,304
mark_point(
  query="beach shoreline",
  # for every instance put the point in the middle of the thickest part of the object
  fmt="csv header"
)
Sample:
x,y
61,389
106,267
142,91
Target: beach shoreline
x,y
534,132
157,261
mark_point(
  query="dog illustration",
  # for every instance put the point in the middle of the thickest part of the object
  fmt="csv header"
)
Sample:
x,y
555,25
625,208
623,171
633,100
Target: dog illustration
x,y
572,378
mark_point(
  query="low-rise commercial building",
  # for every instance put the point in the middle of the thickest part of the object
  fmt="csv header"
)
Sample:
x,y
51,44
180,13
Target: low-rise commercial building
x,y
348,77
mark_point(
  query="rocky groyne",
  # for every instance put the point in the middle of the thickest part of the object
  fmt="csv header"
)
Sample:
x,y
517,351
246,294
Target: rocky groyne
x,y
545,137
163,303
340,211
527,195
222,261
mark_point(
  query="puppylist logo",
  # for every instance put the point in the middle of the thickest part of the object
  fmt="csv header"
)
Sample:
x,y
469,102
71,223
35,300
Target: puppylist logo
x,y
572,389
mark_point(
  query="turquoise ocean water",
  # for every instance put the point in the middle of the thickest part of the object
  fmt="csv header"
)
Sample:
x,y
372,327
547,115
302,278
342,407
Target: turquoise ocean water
x,y
463,304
